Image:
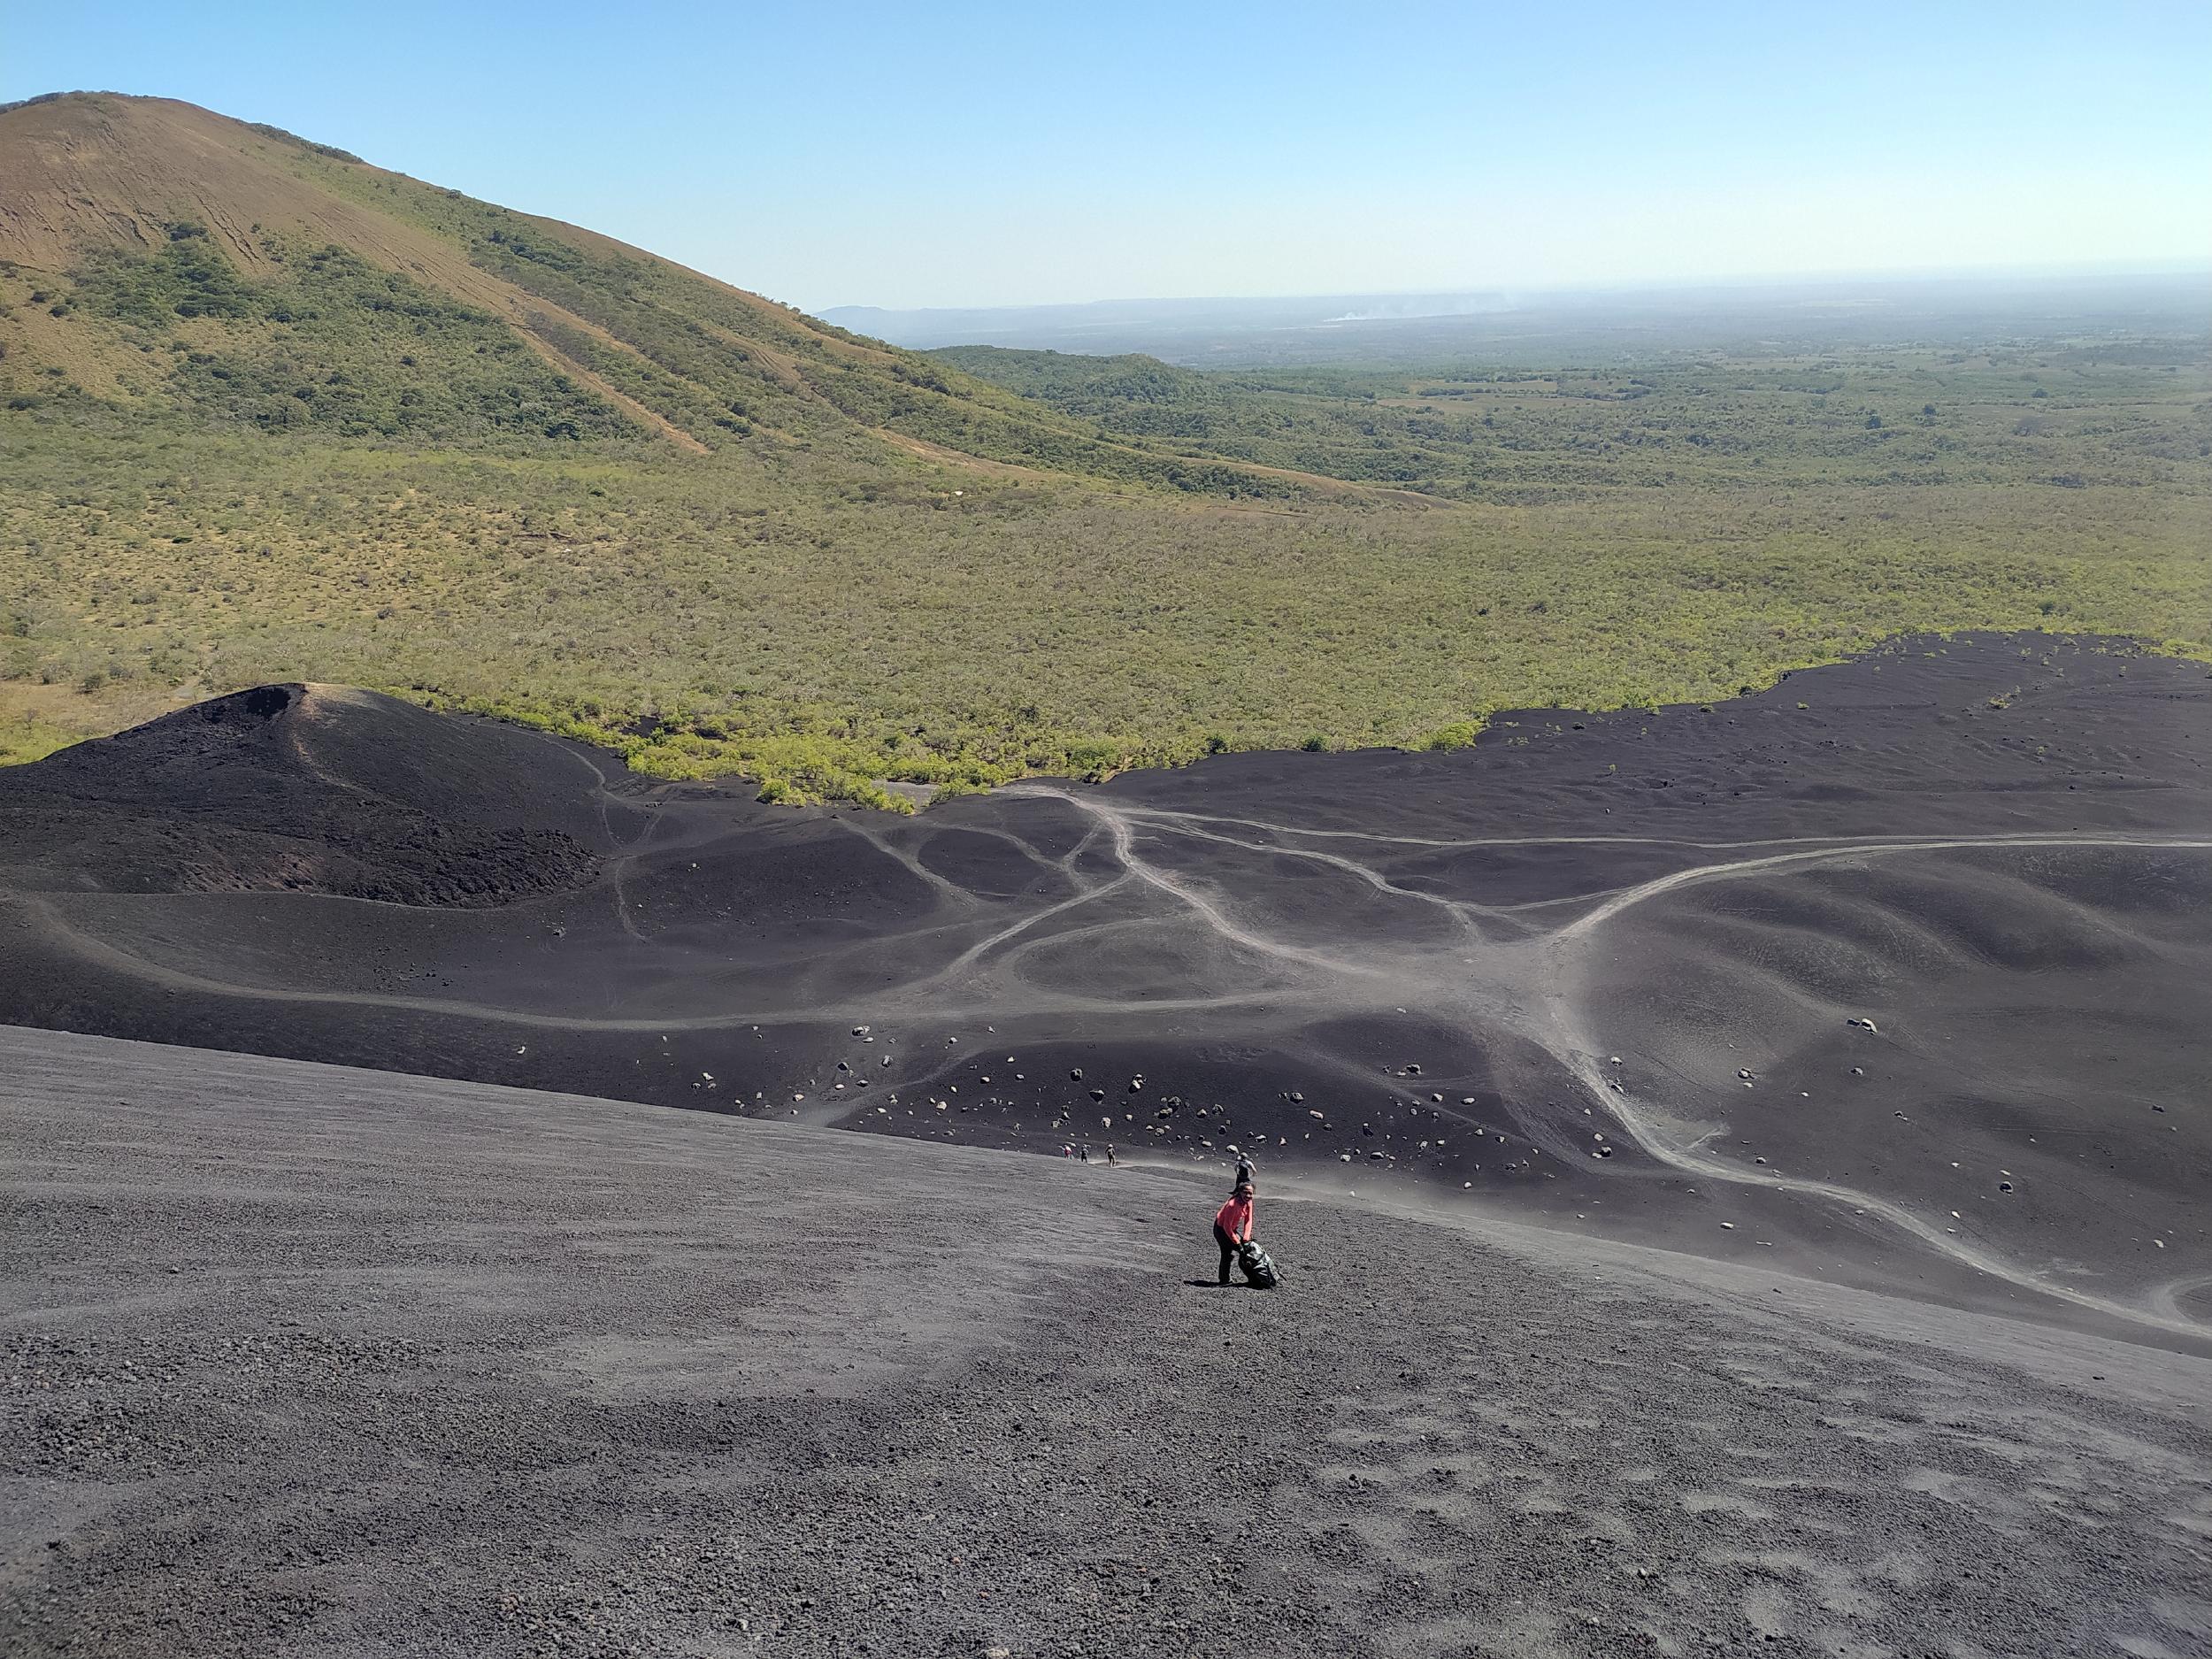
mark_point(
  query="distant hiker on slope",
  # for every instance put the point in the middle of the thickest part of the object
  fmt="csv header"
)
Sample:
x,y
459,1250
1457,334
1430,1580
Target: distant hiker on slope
x,y
1232,1226
1244,1171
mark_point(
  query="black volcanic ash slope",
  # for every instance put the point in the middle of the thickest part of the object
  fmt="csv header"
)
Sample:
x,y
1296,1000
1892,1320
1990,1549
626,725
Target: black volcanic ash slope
x,y
301,789
1907,953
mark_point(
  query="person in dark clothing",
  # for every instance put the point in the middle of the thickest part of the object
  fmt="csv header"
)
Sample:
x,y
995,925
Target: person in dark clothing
x,y
1244,1171
1232,1226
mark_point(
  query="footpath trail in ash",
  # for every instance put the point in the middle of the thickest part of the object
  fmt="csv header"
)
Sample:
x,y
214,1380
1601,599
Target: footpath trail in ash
x,y
1898,974
306,1360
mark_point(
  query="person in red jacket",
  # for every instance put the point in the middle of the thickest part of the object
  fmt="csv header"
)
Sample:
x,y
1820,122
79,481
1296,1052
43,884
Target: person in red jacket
x,y
1232,1226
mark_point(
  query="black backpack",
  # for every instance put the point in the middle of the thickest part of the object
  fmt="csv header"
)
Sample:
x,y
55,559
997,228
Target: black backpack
x,y
1257,1265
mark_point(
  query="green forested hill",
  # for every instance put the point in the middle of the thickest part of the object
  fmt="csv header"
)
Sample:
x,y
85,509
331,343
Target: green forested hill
x,y
268,412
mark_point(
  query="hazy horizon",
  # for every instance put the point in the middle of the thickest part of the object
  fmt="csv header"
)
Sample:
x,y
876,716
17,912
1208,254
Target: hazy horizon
x,y
2180,269
993,155
1499,326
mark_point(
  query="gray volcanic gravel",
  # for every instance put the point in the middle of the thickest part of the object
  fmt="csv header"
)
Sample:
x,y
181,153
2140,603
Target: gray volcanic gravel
x,y
305,1360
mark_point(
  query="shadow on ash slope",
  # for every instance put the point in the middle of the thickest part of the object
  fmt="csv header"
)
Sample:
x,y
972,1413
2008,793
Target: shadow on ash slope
x,y
1898,974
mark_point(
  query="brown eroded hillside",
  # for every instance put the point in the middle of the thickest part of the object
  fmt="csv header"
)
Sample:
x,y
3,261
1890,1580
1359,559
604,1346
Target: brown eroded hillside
x,y
155,253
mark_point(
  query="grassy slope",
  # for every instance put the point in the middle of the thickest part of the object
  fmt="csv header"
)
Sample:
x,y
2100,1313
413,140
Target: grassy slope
x,y
814,628
193,504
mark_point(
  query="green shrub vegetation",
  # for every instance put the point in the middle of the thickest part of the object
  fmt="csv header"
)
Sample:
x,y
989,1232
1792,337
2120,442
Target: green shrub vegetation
x,y
821,621
332,341
1929,414
25,737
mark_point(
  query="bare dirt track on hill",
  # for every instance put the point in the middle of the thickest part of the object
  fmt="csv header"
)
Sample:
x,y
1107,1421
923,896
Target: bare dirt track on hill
x,y
1897,975
303,1360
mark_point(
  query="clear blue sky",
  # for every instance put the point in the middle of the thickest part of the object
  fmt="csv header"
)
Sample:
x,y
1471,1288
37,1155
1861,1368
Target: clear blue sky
x,y
917,155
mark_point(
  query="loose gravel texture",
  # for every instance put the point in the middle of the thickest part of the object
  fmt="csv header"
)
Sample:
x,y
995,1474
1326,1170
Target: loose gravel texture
x,y
303,1360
